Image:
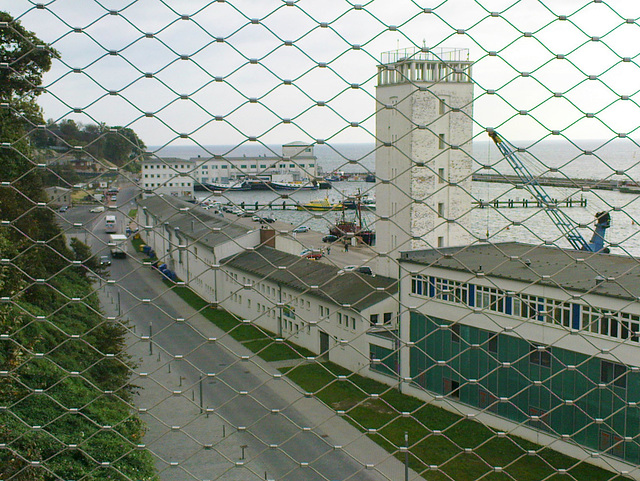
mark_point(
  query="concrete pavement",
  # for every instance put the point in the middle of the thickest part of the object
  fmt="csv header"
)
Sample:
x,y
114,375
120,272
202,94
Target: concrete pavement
x,y
287,436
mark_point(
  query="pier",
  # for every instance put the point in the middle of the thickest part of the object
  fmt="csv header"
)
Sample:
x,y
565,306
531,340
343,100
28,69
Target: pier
x,y
582,184
529,203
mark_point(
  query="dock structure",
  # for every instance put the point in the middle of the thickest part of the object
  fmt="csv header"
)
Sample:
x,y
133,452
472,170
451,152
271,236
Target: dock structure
x,y
529,203
571,183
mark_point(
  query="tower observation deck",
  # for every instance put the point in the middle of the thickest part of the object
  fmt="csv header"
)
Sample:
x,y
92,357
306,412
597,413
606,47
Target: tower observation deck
x,y
410,65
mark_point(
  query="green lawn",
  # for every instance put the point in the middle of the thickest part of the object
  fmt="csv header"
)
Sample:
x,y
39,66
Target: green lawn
x,y
264,343
436,436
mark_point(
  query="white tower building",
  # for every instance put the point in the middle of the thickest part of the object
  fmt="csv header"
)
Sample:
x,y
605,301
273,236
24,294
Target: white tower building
x,y
423,157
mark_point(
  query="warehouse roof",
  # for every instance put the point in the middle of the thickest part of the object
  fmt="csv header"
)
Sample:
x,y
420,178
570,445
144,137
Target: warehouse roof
x,y
349,289
192,221
596,273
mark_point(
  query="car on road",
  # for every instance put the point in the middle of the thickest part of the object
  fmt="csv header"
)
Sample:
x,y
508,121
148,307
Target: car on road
x,y
330,238
314,254
64,208
300,229
97,210
105,261
229,209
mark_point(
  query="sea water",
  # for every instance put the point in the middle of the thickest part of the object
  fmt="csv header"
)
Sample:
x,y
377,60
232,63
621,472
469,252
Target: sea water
x,y
616,160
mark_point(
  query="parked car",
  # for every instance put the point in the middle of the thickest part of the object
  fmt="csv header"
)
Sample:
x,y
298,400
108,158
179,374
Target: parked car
x,y
361,269
330,238
314,254
300,229
229,209
263,220
105,261
98,209
64,208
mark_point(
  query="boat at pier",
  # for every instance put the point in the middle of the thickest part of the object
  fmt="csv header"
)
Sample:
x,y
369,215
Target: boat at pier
x,y
294,185
354,227
321,205
214,187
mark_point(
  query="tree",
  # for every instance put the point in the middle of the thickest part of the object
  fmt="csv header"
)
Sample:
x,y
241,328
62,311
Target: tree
x,y
36,249
28,58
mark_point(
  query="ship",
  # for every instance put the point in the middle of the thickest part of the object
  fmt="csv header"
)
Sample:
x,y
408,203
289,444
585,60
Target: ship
x,y
354,227
294,185
213,187
321,205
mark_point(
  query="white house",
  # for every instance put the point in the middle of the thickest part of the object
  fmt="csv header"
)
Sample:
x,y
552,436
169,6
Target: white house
x,y
349,318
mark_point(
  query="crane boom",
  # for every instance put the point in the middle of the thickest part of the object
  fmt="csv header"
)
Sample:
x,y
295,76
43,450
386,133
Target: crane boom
x,y
567,226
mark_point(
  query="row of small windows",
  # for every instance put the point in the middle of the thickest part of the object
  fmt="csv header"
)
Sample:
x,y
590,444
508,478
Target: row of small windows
x,y
226,166
164,166
169,184
621,325
255,166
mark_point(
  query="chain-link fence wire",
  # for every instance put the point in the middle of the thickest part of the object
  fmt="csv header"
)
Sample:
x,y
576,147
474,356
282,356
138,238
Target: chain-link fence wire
x,y
273,240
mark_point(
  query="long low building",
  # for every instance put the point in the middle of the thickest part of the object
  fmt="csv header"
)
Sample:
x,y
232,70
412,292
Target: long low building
x,y
545,338
346,317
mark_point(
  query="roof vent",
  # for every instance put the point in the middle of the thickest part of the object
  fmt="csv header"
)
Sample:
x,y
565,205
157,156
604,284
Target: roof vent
x,y
527,262
599,280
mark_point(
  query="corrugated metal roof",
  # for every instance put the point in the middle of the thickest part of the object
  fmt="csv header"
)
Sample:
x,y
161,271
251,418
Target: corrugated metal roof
x,y
193,221
596,273
357,291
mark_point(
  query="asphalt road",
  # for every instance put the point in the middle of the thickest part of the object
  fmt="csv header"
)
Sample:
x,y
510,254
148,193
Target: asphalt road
x,y
283,434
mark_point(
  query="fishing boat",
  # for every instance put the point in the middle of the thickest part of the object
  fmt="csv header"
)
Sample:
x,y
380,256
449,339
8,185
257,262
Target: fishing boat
x,y
294,185
213,187
354,227
321,205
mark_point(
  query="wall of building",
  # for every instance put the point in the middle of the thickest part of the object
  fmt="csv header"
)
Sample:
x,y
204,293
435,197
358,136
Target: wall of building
x,y
417,169
167,176
302,317
511,378
566,381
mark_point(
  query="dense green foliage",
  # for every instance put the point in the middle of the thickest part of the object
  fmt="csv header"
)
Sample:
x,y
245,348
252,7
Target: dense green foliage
x,y
118,145
66,386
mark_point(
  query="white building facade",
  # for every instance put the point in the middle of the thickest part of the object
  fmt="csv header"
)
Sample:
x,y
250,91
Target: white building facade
x,y
423,156
296,164
167,176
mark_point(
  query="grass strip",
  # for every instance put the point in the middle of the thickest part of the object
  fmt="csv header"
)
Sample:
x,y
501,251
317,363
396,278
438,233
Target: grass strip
x,y
462,449
258,340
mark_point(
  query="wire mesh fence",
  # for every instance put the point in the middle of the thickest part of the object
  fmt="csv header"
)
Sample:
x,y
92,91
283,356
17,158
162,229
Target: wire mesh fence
x,y
297,240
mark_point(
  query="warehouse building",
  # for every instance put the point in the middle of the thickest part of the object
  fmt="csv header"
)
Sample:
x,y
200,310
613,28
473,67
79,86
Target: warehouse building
x,y
545,338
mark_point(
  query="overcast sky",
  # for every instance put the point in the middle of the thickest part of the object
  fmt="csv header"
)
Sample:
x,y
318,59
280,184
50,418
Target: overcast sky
x,y
183,58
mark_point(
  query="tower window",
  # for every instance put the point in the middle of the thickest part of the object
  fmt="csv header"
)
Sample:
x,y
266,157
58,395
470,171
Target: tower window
x,y
442,108
441,176
440,209
441,142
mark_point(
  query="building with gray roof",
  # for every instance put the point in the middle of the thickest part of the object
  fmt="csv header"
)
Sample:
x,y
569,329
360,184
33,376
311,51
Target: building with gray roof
x,y
539,341
347,317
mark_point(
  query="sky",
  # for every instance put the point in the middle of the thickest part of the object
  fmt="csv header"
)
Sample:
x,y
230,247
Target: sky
x,y
212,72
